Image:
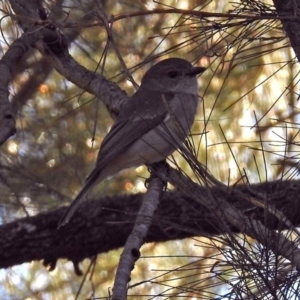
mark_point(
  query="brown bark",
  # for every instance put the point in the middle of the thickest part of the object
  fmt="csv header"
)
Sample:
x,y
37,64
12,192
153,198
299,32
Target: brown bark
x,y
102,225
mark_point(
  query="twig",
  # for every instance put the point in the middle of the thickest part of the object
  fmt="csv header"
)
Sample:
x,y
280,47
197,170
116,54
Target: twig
x,y
108,26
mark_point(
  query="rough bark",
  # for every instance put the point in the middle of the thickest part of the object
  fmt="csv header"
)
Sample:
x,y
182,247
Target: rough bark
x,y
104,224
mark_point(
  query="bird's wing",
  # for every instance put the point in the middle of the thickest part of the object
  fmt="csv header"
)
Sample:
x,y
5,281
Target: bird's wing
x,y
134,121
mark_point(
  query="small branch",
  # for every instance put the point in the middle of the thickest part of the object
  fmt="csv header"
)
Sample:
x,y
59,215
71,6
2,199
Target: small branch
x,y
137,238
92,82
12,56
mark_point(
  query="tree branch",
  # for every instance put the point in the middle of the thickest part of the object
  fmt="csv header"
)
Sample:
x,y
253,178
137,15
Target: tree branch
x,y
291,25
135,240
55,48
103,225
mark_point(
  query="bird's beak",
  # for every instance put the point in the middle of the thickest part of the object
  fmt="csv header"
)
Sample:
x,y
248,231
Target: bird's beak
x,y
196,70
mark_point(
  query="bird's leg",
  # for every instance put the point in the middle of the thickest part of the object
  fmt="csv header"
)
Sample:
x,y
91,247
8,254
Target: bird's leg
x,y
155,168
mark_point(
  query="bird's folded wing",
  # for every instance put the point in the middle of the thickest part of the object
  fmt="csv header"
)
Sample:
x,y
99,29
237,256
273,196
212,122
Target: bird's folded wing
x,y
132,125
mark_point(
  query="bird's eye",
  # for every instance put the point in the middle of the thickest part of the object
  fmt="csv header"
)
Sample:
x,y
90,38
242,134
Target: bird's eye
x,y
173,74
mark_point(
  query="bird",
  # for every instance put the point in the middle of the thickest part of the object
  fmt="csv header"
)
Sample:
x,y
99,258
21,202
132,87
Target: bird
x,y
152,124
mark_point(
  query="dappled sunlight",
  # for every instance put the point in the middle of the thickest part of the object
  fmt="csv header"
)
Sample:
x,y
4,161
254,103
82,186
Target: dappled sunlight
x,y
246,131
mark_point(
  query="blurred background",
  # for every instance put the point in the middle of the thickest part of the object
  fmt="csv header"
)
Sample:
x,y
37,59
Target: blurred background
x,y
247,124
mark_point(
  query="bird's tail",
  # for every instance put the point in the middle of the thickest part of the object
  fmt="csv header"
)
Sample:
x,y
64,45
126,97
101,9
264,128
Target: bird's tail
x,y
90,182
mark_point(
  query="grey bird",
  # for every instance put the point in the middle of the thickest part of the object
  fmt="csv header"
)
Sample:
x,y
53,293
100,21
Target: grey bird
x,y
152,124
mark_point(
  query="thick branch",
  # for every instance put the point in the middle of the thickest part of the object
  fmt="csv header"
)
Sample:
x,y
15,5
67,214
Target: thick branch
x,y
105,224
291,25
